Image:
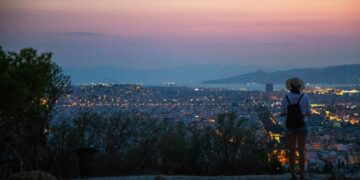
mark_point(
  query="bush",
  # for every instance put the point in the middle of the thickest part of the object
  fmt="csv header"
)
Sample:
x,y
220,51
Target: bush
x,y
130,144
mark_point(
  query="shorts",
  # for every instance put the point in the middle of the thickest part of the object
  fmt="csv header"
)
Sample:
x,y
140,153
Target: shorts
x,y
303,131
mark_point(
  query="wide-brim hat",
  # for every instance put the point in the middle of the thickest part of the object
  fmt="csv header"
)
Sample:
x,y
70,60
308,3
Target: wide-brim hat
x,y
295,83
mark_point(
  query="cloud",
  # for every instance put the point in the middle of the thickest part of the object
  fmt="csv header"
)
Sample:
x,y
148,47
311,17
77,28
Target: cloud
x,y
83,34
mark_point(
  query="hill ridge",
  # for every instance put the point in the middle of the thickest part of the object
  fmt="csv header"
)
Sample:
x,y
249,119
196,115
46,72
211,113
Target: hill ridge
x,y
342,74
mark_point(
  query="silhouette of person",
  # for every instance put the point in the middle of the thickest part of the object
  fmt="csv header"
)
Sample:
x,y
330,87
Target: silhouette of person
x,y
296,137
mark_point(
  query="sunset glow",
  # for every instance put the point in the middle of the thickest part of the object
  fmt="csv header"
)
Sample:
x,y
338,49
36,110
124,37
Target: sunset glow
x,y
204,31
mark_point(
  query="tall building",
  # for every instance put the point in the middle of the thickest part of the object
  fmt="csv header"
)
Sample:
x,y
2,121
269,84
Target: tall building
x,y
269,87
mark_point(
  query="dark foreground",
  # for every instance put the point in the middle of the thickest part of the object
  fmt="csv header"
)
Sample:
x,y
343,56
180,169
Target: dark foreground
x,y
244,177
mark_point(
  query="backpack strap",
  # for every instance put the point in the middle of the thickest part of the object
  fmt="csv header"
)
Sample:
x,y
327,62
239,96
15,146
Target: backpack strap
x,y
287,98
300,98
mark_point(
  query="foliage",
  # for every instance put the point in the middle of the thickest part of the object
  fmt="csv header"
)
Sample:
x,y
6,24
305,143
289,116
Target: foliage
x,y
131,144
30,85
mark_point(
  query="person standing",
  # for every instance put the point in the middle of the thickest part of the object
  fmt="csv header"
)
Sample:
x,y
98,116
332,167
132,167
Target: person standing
x,y
296,107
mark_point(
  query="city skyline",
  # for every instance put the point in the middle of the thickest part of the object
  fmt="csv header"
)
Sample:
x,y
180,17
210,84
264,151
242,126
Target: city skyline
x,y
156,34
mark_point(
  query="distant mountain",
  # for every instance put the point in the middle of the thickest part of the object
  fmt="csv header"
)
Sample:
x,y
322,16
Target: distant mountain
x,y
344,74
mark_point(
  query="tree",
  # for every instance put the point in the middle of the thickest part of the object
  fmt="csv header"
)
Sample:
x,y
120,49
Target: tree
x,y
173,149
30,86
228,147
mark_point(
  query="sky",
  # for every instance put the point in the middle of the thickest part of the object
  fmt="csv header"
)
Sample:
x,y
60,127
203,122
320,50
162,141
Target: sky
x,y
149,34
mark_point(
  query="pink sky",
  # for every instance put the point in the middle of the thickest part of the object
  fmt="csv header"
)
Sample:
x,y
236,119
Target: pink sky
x,y
202,31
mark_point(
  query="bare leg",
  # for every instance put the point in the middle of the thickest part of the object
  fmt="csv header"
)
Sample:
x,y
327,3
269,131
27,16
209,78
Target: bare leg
x,y
301,148
291,140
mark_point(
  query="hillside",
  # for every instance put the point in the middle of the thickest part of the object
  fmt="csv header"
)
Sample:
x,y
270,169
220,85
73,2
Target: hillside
x,y
344,74
242,177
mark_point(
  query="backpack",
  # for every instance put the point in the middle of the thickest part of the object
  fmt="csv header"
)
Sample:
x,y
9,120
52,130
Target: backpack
x,y
294,117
